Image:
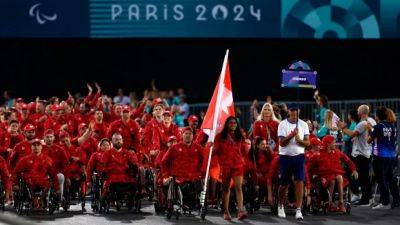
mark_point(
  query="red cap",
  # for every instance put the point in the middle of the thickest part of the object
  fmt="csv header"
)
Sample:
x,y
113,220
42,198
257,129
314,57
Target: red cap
x,y
172,138
49,131
36,140
63,134
158,101
193,118
187,129
56,107
82,125
327,140
315,142
168,113
126,108
29,127
24,106
32,106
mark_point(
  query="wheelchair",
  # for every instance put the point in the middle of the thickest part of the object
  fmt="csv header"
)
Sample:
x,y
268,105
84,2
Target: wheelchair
x,y
320,197
120,195
96,190
183,197
26,199
159,196
2,197
75,193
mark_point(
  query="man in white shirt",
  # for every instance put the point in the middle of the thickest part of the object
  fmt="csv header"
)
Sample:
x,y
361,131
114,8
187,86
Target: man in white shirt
x,y
361,152
293,137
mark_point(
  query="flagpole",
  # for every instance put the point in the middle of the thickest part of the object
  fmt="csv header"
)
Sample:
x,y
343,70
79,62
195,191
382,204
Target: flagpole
x,y
214,128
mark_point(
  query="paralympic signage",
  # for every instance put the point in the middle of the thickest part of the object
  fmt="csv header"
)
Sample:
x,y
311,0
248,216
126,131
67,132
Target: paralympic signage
x,y
313,19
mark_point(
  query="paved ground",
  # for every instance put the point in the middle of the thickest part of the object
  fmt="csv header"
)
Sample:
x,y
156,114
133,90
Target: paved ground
x,y
359,215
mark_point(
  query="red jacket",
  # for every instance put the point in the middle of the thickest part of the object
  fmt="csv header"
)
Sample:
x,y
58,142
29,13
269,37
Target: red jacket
x,y
100,129
231,153
260,129
152,139
330,164
164,134
75,168
118,166
183,161
58,156
96,163
4,175
129,132
88,147
56,123
263,161
39,125
35,171
22,149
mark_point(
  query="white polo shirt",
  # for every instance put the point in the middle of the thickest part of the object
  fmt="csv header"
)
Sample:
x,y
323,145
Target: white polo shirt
x,y
284,129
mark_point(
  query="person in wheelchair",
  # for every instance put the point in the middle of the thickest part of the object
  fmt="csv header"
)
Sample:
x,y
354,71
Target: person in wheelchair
x,y
75,181
327,164
313,149
120,168
57,155
95,168
35,169
158,182
263,155
182,165
5,183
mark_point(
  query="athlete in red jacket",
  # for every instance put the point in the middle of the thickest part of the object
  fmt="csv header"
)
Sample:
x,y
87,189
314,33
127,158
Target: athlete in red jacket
x,y
231,147
35,169
328,165
120,165
96,161
129,130
184,160
23,148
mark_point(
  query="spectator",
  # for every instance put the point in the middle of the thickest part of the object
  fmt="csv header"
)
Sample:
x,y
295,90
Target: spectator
x,y
294,137
353,119
361,151
121,98
183,107
254,109
322,102
8,99
133,99
329,127
384,136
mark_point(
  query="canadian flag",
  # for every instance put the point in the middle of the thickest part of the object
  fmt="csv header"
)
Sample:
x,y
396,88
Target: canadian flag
x,y
221,105
219,109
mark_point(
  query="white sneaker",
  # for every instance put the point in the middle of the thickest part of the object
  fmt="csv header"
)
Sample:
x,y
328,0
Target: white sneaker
x,y
299,215
381,207
281,212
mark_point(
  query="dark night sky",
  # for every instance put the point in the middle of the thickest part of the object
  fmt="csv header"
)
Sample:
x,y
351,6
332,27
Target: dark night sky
x,y
347,69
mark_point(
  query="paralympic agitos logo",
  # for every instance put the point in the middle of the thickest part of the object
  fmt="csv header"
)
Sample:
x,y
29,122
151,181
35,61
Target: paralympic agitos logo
x,y
41,17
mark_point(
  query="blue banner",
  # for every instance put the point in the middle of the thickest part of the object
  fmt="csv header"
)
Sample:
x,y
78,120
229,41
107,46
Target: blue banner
x,y
313,19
